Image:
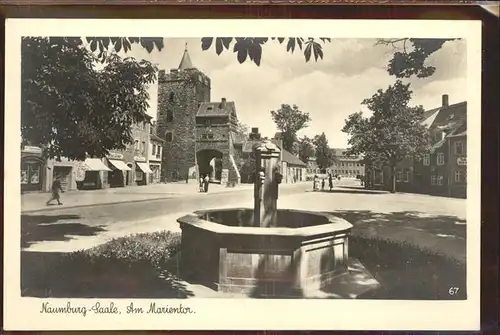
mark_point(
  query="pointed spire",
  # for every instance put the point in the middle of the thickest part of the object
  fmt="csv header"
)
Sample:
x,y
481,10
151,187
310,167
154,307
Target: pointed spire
x,y
186,60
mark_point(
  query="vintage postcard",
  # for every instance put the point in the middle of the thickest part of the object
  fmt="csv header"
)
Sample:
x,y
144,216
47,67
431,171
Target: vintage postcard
x,y
241,174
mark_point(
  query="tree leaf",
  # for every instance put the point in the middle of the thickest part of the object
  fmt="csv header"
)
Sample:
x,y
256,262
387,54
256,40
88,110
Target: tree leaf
x,y
291,45
280,39
307,52
206,43
299,42
126,45
226,41
147,44
93,45
255,53
317,50
118,45
218,46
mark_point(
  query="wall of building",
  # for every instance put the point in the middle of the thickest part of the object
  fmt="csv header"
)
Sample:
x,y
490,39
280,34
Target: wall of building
x,y
179,95
458,168
154,158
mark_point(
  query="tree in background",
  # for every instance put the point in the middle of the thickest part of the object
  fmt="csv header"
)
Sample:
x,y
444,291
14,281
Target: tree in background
x,y
323,153
305,148
289,120
242,129
394,131
72,110
408,59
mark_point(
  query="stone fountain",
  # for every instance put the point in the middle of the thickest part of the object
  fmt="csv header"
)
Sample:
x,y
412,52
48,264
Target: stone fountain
x,y
264,251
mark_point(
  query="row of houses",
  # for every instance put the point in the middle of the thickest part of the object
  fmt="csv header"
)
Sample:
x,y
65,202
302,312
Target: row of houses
x,y
138,164
344,166
442,171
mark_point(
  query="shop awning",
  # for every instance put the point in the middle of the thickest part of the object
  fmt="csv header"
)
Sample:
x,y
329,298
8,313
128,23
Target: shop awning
x,y
95,164
144,167
120,165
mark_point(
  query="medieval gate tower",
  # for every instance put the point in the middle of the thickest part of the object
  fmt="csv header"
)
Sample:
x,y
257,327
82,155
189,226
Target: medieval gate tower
x,y
197,133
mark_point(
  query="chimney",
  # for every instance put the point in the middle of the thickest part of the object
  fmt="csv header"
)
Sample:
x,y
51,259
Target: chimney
x,y
445,100
254,134
222,103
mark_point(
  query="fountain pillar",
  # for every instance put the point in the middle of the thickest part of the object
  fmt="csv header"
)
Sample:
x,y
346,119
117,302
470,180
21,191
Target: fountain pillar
x,y
268,177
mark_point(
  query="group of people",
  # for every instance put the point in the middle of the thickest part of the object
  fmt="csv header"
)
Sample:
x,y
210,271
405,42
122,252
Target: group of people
x,y
204,182
316,181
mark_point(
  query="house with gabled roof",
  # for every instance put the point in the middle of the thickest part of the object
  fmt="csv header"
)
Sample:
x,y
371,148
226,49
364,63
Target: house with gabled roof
x,y
443,170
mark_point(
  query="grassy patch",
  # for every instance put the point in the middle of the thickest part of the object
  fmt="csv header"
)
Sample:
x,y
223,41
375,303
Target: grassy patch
x,y
406,271
135,266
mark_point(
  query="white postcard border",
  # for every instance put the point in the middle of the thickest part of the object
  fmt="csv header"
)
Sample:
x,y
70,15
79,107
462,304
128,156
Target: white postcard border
x,y
245,314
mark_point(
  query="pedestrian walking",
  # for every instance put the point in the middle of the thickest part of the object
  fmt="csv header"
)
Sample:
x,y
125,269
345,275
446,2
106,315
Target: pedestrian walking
x,y
322,184
315,183
56,190
330,181
206,181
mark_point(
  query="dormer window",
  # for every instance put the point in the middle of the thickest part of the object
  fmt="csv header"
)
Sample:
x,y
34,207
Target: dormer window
x,y
209,108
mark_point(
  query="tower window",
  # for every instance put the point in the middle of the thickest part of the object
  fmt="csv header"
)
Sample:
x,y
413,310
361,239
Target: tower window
x,y
170,116
171,97
168,136
207,122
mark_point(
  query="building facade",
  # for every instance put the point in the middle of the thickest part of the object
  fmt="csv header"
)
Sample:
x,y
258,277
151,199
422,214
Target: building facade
x,y
198,134
155,156
130,167
443,170
347,166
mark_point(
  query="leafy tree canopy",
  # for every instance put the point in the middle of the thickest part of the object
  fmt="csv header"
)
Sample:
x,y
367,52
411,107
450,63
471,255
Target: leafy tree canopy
x,y
394,131
289,120
305,148
70,108
409,57
323,153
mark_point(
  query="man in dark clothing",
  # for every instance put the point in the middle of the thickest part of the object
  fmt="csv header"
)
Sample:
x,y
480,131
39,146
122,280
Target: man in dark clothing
x,y
56,190
330,181
206,181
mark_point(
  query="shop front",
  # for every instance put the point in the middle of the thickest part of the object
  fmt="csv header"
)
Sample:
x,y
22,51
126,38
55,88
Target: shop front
x,y
117,177
94,171
141,170
155,176
32,167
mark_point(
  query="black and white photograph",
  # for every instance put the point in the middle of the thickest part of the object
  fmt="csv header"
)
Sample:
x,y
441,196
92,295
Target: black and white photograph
x,y
177,176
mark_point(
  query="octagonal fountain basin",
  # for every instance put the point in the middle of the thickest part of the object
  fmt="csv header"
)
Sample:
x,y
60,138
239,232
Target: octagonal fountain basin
x,y
223,250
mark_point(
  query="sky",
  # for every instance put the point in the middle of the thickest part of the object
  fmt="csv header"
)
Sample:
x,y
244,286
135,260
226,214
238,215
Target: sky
x,y
329,90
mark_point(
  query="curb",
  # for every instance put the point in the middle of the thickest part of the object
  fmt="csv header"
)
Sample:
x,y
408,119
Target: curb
x,y
171,196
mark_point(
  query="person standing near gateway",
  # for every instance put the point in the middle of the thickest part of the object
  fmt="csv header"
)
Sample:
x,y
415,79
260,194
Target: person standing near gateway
x,y
56,190
206,181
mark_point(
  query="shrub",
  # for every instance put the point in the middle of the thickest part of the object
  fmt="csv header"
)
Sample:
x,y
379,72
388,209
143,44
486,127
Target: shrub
x,y
152,248
406,271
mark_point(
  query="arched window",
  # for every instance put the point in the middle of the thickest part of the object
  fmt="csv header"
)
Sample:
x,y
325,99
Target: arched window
x,y
171,97
170,116
168,136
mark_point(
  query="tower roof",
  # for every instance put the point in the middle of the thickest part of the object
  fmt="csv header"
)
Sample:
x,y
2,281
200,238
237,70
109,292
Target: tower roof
x,y
185,61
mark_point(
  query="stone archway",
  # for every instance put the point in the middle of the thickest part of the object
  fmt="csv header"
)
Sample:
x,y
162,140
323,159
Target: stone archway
x,y
210,162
